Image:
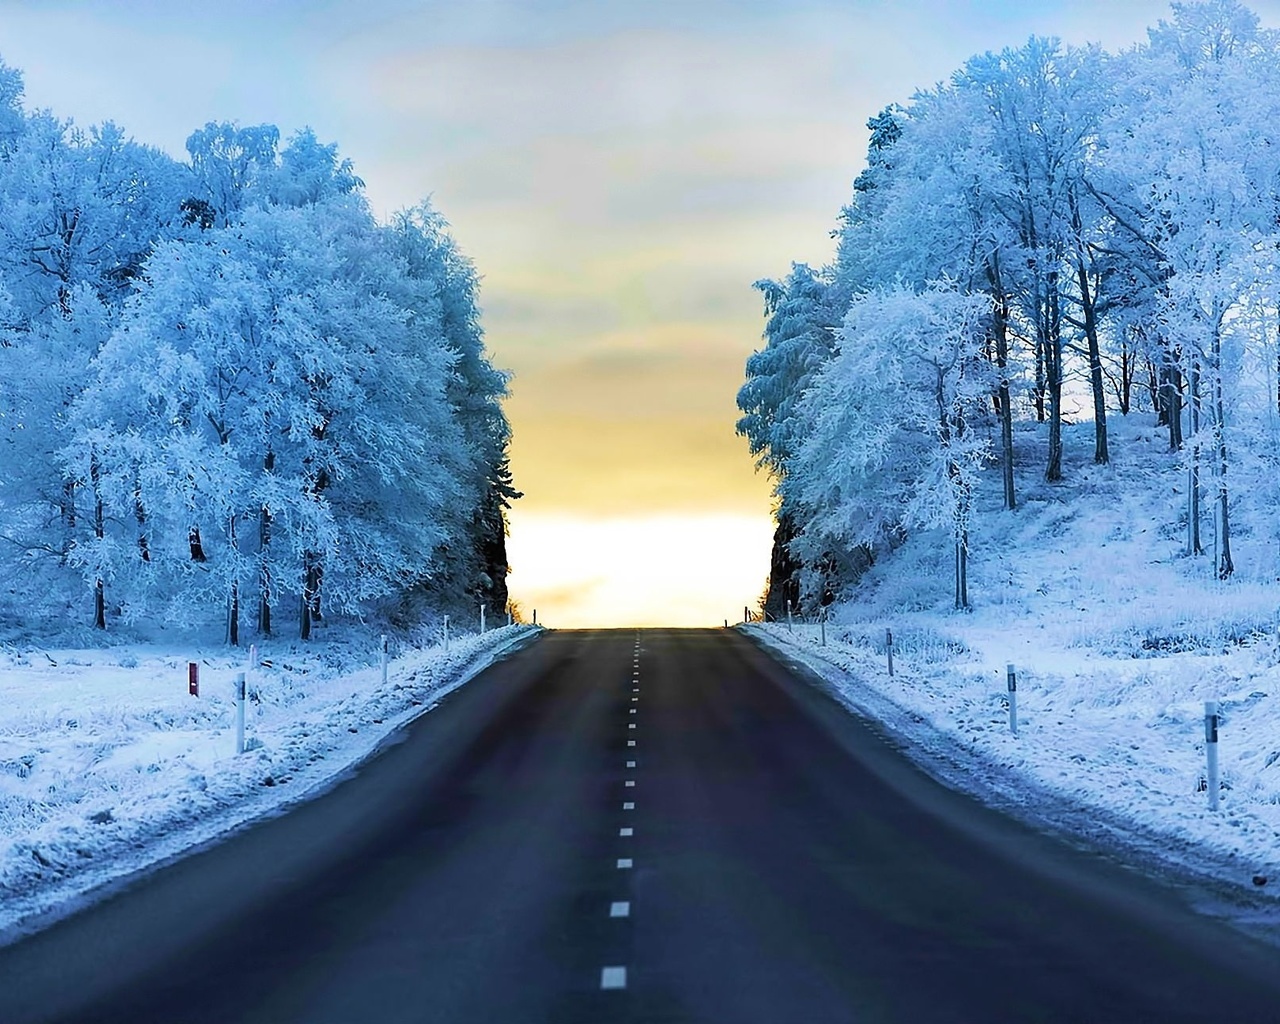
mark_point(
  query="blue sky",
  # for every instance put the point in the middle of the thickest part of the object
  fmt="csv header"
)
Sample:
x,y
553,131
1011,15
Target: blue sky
x,y
620,172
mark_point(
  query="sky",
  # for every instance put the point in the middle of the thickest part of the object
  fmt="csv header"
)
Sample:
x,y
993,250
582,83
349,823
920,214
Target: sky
x,y
620,173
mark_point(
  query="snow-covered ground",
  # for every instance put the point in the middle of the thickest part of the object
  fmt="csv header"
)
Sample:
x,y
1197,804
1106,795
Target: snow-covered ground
x,y
1117,639
108,766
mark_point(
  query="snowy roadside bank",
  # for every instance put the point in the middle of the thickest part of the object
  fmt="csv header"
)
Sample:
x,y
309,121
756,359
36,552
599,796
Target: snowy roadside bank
x,y
1100,754
109,767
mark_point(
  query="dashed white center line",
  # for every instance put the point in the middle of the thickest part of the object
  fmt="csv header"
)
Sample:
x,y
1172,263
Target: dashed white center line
x,y
620,909
626,830
633,711
613,977
635,699
632,725
624,863
630,782
631,743
631,764
629,806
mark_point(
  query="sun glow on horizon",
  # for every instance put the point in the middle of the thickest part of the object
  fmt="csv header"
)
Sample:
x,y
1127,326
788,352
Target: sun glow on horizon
x,y
678,569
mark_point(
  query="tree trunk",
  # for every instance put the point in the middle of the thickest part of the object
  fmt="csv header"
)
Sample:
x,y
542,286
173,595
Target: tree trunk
x,y
312,574
233,615
1153,391
99,531
196,545
264,577
1039,392
1004,405
1194,546
264,565
1101,455
1225,565
233,602
140,514
1172,397
962,572
1053,378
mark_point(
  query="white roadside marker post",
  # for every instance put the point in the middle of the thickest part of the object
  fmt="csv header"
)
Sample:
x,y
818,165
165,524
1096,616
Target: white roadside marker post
x,y
446,634
823,626
535,616
481,616
789,625
382,659
1013,700
888,649
241,694
508,616
1211,750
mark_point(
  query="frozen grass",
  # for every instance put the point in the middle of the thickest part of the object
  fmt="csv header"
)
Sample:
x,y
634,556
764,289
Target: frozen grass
x,y
107,764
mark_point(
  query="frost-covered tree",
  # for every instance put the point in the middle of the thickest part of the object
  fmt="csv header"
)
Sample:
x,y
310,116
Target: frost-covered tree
x,y
305,439
82,211
1121,217
890,442
440,285
799,339
1197,155
225,383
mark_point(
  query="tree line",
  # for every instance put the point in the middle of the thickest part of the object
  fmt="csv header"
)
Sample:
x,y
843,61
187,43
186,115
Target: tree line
x,y
228,390
1051,224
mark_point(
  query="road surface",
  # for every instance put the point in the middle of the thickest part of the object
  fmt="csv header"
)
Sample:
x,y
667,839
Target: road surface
x,y
656,826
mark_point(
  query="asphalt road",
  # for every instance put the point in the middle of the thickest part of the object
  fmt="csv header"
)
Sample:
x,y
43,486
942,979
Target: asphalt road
x,y
640,827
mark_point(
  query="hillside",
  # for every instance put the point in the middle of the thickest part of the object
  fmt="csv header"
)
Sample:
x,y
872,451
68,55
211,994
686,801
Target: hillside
x,y
1117,638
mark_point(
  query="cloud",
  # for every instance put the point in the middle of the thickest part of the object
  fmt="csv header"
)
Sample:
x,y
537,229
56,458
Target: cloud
x,y
632,431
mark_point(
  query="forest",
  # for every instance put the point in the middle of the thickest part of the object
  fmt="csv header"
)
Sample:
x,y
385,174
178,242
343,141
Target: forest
x,y
1054,234
229,394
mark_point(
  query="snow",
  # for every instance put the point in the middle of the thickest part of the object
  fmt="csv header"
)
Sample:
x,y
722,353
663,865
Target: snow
x,y
109,767
1117,639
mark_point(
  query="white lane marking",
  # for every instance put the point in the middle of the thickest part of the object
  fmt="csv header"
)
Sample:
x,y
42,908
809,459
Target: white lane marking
x,y
630,805
632,725
633,711
631,764
620,909
635,689
634,699
630,782
613,977
631,743
624,863
627,831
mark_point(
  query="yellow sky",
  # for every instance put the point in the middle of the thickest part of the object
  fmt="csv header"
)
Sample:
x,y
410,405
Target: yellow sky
x,y
620,173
